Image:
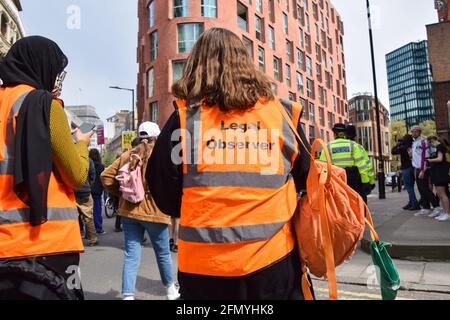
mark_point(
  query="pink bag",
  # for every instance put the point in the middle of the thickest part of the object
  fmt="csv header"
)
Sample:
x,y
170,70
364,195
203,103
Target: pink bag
x,y
131,186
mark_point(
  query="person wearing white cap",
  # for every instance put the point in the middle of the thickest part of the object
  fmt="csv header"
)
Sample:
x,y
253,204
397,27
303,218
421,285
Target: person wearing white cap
x,y
420,152
137,218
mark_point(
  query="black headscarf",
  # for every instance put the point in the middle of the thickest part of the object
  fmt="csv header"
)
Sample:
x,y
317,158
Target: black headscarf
x,y
35,61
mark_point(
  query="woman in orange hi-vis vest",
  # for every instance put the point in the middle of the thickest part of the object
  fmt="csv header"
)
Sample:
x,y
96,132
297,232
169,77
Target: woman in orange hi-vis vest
x,y
228,164
40,165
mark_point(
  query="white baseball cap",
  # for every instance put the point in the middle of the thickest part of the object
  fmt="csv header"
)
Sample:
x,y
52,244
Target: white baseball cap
x,y
148,130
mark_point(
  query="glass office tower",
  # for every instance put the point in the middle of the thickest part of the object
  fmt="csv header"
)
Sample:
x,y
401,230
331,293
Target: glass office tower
x,y
409,80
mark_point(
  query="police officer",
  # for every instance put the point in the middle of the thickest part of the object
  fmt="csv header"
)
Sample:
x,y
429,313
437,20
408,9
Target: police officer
x,y
351,156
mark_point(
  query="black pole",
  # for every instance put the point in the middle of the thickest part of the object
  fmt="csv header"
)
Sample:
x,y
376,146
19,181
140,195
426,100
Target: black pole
x,y
381,187
406,112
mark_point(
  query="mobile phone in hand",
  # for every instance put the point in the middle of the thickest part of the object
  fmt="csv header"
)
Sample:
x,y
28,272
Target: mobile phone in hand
x,y
86,127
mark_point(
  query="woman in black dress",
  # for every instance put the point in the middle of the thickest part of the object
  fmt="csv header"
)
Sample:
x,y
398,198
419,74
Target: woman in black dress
x,y
439,174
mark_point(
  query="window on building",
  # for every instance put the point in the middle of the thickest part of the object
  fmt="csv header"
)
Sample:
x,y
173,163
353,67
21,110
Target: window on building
x,y
188,34
312,136
271,9
315,11
288,75
312,112
309,71
259,6
307,25
300,87
151,13
180,8
319,72
154,45
177,69
276,68
310,88
289,50
249,45
292,96
308,43
271,38
261,59
317,33
321,117
285,24
330,120
150,82
242,16
300,38
300,60
154,111
258,28
209,8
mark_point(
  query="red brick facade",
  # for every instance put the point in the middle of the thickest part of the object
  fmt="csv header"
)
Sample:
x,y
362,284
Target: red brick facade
x,y
328,95
439,48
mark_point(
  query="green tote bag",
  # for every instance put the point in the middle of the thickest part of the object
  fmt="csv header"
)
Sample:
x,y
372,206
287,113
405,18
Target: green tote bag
x,y
387,274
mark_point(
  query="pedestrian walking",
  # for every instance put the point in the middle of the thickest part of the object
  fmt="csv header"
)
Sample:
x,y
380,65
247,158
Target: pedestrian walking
x,y
404,149
97,190
235,239
420,153
40,165
439,176
137,218
85,206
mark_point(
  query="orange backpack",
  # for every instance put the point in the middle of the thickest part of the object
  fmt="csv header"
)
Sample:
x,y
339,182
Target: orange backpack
x,y
329,221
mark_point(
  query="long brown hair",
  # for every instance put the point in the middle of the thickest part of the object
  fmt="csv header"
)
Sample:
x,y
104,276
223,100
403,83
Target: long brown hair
x,y
220,72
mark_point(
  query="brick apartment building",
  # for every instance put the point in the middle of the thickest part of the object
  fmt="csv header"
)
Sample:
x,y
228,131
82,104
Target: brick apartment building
x,y
298,43
362,114
439,48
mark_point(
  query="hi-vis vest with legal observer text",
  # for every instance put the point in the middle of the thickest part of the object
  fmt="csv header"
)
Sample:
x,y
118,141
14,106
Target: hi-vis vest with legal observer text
x,y
235,214
18,239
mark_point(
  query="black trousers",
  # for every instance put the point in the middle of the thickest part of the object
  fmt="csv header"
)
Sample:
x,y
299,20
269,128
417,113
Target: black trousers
x,y
427,196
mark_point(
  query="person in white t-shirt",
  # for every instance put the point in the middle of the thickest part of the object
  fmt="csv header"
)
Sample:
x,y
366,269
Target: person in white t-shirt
x,y
420,153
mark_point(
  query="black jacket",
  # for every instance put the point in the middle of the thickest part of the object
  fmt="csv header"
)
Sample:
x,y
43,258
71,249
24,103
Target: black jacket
x,y
405,159
97,186
85,190
281,280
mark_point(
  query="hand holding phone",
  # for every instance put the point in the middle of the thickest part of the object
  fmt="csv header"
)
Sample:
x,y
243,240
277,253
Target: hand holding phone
x,y
86,127
84,133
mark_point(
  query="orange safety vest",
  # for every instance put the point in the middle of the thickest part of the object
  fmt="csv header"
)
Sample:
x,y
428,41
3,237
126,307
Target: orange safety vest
x,y
234,219
61,233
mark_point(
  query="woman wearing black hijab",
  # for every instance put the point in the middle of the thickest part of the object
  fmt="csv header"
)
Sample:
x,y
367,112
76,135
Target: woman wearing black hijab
x,y
39,241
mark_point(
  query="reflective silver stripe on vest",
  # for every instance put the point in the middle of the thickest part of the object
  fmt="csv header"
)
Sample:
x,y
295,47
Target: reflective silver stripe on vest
x,y
23,215
7,164
194,178
6,167
230,234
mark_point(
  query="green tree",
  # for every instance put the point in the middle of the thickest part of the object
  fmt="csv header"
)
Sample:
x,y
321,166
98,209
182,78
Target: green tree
x,y
108,159
428,128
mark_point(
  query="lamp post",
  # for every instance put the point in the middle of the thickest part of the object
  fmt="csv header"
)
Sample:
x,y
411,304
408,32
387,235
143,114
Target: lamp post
x,y
132,106
381,187
406,111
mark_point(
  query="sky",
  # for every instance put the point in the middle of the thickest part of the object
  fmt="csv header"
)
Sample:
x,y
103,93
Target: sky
x,y
100,39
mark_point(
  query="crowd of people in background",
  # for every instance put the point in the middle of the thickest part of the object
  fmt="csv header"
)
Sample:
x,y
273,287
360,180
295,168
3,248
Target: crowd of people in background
x,y
424,164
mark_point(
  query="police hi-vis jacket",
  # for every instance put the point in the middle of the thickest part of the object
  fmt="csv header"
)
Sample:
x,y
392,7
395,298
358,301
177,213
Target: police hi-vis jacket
x,y
346,154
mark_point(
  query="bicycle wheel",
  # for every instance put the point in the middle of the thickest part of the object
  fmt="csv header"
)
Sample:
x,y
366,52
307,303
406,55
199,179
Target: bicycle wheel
x,y
109,208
